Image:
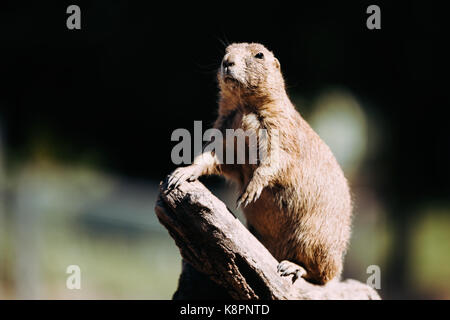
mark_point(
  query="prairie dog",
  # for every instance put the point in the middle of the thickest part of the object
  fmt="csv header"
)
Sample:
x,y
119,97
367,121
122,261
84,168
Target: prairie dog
x,y
297,204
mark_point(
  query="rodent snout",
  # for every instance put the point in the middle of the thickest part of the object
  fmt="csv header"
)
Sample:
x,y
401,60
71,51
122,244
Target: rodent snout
x,y
227,63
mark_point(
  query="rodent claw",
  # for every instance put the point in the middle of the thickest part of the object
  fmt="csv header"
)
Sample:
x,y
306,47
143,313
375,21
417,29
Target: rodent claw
x,y
287,268
181,175
251,194
174,180
238,203
170,182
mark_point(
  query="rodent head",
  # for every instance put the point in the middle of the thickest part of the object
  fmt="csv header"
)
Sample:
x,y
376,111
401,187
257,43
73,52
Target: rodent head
x,y
250,69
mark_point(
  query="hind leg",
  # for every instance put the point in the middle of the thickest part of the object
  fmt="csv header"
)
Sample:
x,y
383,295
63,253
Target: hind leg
x,y
288,268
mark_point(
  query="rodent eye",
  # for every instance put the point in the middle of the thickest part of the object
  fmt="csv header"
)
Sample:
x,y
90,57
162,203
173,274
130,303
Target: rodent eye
x,y
259,55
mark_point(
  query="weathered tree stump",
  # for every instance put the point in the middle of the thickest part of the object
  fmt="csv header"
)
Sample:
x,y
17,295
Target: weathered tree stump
x,y
222,259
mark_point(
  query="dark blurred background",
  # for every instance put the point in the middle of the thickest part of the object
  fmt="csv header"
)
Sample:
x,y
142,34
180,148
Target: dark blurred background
x,y
86,118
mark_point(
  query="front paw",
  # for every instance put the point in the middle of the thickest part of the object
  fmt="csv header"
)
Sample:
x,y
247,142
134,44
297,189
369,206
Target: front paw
x,y
182,174
287,268
251,194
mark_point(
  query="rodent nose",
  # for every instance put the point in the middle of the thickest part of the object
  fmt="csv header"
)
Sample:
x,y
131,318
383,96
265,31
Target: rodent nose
x,y
227,63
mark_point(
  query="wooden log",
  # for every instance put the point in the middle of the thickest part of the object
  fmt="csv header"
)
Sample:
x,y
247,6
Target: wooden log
x,y
222,259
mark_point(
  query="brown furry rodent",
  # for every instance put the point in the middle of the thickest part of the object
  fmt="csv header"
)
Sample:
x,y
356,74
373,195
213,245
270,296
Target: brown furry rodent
x,y
297,204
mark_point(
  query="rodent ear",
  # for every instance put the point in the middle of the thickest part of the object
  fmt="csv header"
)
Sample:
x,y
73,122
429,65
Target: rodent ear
x,y
277,63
